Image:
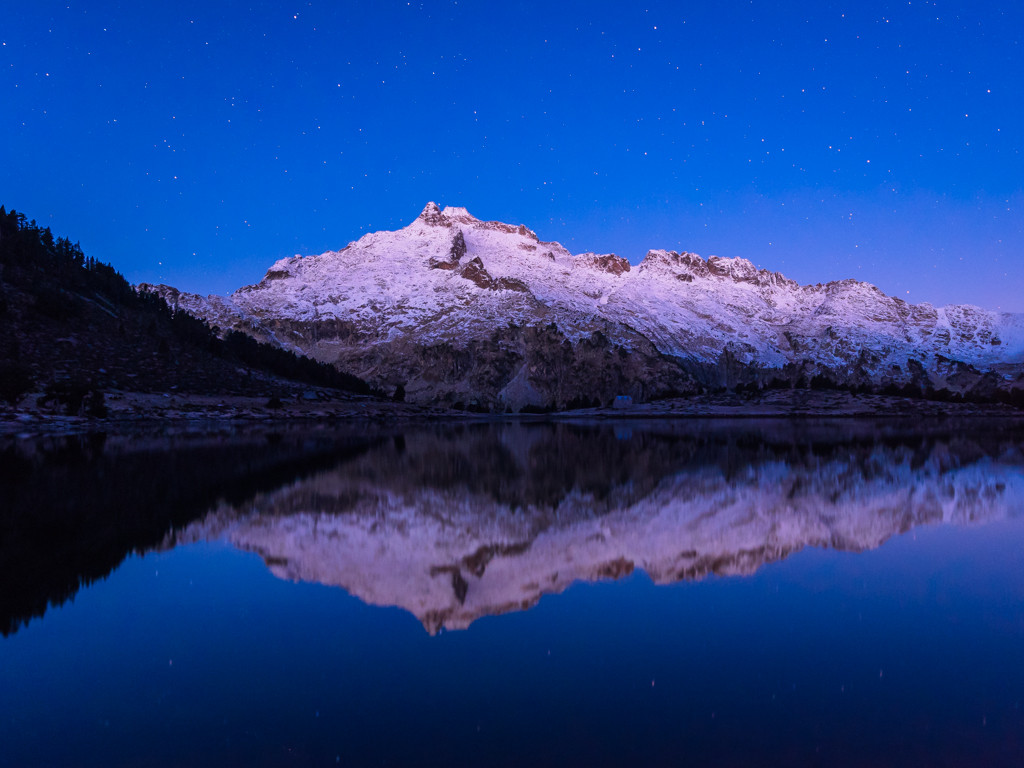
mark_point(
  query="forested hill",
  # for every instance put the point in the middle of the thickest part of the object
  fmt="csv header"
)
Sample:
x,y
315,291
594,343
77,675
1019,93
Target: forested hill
x,y
72,329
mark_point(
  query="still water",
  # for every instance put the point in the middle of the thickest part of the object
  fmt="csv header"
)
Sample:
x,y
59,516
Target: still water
x,y
689,593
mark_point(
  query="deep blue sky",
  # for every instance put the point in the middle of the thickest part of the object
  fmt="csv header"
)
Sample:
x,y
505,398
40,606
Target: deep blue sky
x,y
194,143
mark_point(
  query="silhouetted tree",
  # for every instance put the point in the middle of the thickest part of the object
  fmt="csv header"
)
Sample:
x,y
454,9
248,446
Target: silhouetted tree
x,y
62,284
15,380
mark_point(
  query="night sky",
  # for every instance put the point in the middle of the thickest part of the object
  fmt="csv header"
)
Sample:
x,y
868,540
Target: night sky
x,y
194,143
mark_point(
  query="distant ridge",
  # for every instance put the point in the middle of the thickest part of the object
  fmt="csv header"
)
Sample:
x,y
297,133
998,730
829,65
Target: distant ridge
x,y
486,316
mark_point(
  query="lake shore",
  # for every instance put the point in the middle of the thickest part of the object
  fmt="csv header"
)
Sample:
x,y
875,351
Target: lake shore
x,y
127,408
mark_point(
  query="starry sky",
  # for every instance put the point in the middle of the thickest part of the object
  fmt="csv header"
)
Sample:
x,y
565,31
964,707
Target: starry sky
x,y
194,143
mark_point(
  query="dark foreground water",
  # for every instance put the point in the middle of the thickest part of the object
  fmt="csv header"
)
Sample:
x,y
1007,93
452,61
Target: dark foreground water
x,y
693,593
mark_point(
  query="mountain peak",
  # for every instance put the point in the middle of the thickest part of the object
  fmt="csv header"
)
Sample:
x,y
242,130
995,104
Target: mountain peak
x,y
459,214
434,216
431,213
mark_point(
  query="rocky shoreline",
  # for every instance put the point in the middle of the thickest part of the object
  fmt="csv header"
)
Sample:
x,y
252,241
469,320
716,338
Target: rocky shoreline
x,y
125,409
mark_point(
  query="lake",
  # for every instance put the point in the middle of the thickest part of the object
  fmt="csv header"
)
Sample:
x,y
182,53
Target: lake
x,y
688,592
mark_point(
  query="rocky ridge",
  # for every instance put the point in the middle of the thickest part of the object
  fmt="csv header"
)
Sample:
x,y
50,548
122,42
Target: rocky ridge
x,y
485,314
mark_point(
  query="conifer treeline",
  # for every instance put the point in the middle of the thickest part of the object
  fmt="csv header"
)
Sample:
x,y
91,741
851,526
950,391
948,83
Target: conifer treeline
x,y
61,279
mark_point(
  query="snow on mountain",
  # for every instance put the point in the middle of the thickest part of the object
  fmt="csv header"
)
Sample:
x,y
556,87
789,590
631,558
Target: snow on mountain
x,y
455,308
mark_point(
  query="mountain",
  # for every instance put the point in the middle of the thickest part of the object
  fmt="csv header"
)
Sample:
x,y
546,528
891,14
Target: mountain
x,y
75,331
456,526
485,314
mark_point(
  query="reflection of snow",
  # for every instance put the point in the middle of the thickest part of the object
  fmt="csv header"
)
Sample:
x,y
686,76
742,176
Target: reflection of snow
x,y
393,529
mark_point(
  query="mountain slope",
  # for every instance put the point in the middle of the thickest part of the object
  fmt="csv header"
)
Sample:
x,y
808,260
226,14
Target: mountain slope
x,y
74,330
486,313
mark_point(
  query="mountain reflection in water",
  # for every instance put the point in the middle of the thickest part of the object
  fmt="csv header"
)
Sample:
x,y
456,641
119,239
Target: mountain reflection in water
x,y
196,655
72,507
456,524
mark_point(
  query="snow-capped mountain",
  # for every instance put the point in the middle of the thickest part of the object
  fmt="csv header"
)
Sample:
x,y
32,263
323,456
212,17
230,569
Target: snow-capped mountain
x,y
457,309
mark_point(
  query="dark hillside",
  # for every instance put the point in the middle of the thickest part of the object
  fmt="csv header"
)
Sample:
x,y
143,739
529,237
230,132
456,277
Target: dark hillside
x,y
73,328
